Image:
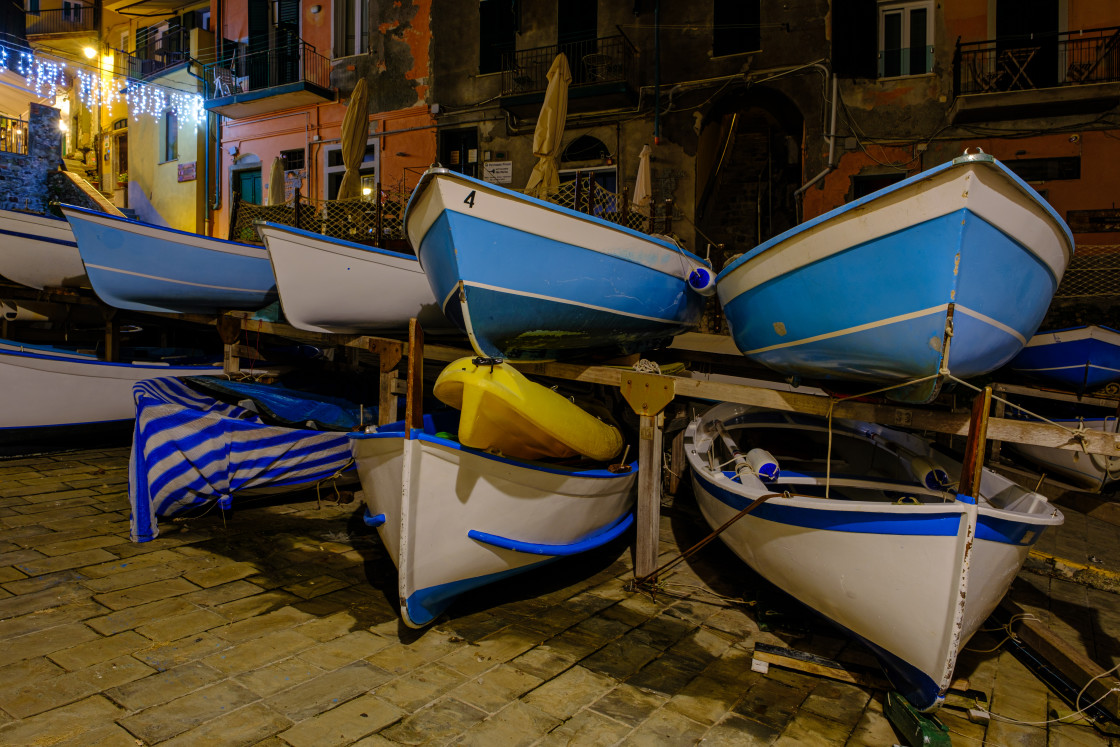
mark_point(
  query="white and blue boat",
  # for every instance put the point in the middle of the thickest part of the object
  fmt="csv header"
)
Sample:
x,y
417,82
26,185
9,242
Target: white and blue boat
x,y
192,448
58,392
948,272
880,542
455,518
39,251
334,286
527,279
141,267
1078,359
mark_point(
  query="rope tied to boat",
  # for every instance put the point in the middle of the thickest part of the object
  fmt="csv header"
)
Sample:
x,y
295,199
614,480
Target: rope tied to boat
x,y
650,579
333,479
647,366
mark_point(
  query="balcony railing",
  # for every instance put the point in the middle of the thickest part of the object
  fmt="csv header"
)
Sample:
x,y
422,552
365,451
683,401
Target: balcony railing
x,y
169,49
13,135
278,66
591,61
1024,63
72,20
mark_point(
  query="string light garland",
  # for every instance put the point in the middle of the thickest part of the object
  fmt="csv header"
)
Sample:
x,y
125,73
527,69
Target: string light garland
x,y
48,77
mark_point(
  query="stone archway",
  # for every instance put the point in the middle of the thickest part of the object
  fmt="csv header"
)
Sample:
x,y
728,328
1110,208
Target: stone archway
x,y
748,168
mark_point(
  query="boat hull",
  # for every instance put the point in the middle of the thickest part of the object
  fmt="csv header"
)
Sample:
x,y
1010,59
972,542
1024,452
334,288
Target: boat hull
x,y
60,390
40,252
923,253
333,286
442,508
1092,472
1082,359
531,280
912,581
141,267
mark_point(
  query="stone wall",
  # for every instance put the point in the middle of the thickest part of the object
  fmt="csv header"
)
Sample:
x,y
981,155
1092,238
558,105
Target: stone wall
x,y
23,177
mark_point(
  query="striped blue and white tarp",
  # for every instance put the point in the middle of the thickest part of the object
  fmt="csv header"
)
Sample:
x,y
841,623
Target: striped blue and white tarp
x,y
189,449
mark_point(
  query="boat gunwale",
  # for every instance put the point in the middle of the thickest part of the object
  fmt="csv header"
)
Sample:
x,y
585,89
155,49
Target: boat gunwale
x,y
331,243
961,162
94,216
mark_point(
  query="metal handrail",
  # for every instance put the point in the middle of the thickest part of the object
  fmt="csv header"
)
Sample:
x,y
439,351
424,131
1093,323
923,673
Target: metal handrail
x,y
268,68
591,61
1034,61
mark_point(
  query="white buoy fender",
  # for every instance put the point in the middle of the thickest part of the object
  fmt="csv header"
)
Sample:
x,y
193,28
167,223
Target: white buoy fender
x,y
764,464
702,280
929,474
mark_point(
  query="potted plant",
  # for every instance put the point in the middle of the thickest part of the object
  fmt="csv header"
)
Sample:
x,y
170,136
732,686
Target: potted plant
x,y
122,179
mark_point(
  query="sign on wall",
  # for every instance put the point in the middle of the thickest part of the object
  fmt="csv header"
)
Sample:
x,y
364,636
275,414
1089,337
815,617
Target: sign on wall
x,y
498,172
187,171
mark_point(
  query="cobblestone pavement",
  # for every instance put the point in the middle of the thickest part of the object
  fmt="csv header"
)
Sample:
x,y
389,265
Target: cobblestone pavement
x,y
274,624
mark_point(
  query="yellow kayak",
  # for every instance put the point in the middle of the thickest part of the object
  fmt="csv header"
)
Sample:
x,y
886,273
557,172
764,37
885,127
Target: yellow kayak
x,y
503,411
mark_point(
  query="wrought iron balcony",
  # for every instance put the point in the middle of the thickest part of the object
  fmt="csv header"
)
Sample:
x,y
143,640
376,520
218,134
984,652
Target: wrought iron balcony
x,y
168,50
73,20
1086,64
281,77
604,74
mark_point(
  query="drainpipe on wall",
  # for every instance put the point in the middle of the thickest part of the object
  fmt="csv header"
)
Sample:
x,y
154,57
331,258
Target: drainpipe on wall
x,y
657,72
831,165
206,162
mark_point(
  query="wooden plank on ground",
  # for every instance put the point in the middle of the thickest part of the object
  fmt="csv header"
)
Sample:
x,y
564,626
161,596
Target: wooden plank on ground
x,y
1074,665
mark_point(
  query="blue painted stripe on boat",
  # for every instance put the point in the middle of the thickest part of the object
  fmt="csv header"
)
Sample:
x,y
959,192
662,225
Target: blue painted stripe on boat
x,y
597,538
426,605
38,237
341,242
167,229
1007,531
940,524
91,361
857,204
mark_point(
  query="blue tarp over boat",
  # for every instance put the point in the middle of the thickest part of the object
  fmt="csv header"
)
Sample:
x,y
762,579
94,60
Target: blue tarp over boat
x,y
190,448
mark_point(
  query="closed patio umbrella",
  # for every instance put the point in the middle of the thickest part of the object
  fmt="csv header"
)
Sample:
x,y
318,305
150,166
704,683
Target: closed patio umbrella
x,y
355,129
276,183
643,188
545,178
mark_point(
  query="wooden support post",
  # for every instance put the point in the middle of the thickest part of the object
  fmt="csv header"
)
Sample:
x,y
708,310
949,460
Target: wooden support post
x,y
389,356
1000,411
414,398
973,466
649,495
112,337
648,395
676,463
229,330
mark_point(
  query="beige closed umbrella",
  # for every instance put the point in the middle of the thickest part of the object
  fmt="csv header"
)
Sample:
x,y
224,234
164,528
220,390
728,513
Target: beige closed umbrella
x,y
545,178
643,185
355,131
276,183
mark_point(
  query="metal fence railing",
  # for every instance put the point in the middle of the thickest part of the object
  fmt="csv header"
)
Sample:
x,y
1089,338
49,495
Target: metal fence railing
x,y
13,135
381,222
71,20
609,59
1023,63
267,68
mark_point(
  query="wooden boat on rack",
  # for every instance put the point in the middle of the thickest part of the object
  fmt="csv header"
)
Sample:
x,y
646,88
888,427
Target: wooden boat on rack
x,y
1090,472
879,543
897,286
1078,359
55,391
202,440
530,279
141,267
40,251
335,286
455,518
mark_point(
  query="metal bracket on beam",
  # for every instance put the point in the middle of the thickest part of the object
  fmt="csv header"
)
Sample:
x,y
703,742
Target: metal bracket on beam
x,y
647,394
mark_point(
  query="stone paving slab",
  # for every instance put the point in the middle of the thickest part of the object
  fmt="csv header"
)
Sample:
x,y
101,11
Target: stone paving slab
x,y
276,624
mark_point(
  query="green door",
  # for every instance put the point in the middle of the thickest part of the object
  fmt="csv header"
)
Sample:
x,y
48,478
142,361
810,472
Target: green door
x,y
247,183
